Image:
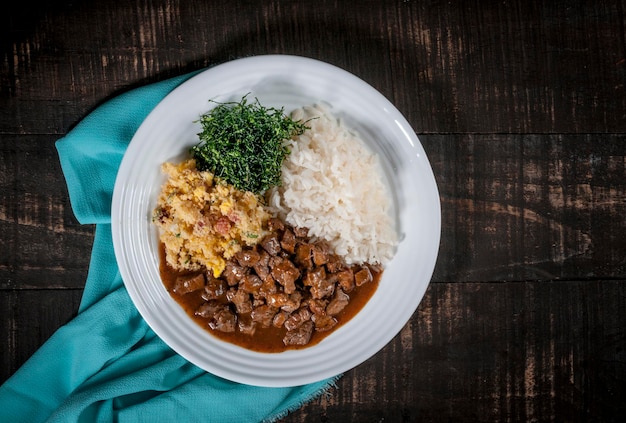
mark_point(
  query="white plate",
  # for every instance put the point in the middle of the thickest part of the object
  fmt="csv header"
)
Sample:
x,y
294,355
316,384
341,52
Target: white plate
x,y
289,82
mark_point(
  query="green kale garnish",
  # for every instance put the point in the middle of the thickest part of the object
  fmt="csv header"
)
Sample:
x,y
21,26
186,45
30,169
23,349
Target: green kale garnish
x,y
242,143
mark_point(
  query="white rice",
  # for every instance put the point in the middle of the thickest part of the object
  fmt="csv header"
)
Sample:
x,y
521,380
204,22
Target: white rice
x,y
333,185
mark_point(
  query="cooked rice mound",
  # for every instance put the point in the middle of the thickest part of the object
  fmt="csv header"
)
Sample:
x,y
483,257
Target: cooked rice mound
x,y
202,222
332,185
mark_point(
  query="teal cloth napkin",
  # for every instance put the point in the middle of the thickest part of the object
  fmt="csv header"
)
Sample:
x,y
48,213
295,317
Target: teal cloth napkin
x,y
107,365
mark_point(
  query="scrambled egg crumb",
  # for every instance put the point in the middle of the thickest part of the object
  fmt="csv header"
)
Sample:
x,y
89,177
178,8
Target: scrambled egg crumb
x,y
203,221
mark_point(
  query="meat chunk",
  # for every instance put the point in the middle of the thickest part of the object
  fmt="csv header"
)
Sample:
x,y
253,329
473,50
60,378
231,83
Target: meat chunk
x,y
247,258
281,300
304,254
280,318
321,286
261,267
363,276
288,241
268,287
207,310
263,315
298,318
339,302
277,299
286,274
271,244
321,252
300,335
240,299
323,322
213,289
246,325
316,306
335,264
186,284
224,320
233,273
293,303
250,283
345,278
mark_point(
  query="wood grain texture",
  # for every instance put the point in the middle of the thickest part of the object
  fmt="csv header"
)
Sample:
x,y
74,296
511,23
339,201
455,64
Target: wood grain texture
x,y
484,352
521,108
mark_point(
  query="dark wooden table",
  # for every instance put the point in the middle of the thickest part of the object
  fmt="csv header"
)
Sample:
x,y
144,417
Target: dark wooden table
x,y
521,108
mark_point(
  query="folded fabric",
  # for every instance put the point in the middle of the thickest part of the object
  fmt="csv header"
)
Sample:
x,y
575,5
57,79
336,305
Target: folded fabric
x,y
106,364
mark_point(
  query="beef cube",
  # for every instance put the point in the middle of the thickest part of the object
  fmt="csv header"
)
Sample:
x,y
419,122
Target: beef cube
x,y
293,303
224,320
298,318
321,252
250,284
271,244
300,335
277,299
262,268
288,241
233,273
246,325
240,299
335,264
279,319
247,258
323,322
263,315
207,310
321,285
339,302
286,274
345,278
188,283
213,289
304,254
281,300
268,287
317,306
363,276
314,277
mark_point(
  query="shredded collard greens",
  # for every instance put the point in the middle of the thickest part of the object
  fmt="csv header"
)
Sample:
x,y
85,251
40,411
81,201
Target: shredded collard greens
x,y
242,143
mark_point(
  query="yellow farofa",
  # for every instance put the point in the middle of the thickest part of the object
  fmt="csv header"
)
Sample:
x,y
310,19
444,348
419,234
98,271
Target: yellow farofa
x,y
203,222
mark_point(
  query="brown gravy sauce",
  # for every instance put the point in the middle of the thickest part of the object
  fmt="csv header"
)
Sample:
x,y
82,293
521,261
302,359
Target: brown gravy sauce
x,y
267,340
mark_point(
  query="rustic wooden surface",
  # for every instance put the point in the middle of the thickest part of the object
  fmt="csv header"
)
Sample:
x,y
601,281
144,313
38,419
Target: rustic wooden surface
x,y
521,108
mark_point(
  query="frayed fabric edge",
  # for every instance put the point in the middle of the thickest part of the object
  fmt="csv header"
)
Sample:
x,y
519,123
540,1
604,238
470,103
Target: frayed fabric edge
x,y
324,390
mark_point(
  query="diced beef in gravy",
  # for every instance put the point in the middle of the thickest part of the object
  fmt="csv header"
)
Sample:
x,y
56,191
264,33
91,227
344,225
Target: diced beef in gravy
x,y
338,303
263,315
271,244
224,320
299,336
363,276
214,288
186,284
287,281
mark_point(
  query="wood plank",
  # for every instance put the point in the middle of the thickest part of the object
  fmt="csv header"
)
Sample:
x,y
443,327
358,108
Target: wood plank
x,y
530,68
42,245
27,319
530,207
506,352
